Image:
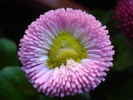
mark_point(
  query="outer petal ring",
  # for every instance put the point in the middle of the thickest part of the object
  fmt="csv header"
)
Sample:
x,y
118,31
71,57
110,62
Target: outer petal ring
x,y
73,77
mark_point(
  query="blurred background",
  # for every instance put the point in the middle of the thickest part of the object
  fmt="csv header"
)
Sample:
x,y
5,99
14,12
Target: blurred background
x,y
16,15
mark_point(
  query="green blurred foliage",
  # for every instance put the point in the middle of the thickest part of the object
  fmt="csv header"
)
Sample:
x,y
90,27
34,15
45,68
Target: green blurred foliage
x,y
15,86
8,53
124,53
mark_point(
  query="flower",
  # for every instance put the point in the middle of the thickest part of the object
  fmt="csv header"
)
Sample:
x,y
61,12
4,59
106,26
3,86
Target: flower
x,y
123,14
65,52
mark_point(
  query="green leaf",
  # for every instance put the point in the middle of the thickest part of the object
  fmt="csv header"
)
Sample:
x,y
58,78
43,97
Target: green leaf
x,y
123,53
15,86
8,53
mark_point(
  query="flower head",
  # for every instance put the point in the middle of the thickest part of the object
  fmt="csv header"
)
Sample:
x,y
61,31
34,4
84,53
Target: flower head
x,y
123,13
65,52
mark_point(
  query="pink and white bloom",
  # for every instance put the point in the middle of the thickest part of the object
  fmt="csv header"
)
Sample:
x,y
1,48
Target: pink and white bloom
x,y
65,52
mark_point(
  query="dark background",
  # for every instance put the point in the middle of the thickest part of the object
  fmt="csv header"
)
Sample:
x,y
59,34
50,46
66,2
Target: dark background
x,y
16,15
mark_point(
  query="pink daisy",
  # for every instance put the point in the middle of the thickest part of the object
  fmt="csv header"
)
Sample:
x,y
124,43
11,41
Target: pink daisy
x,y
123,14
65,52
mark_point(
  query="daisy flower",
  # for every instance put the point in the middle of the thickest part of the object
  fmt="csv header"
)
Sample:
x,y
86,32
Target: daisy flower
x,y
123,14
65,52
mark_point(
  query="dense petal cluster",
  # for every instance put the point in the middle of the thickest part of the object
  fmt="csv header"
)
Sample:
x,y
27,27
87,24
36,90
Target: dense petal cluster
x,y
73,77
124,15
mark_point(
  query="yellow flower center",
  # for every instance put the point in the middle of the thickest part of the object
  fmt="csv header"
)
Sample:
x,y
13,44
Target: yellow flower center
x,y
65,47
